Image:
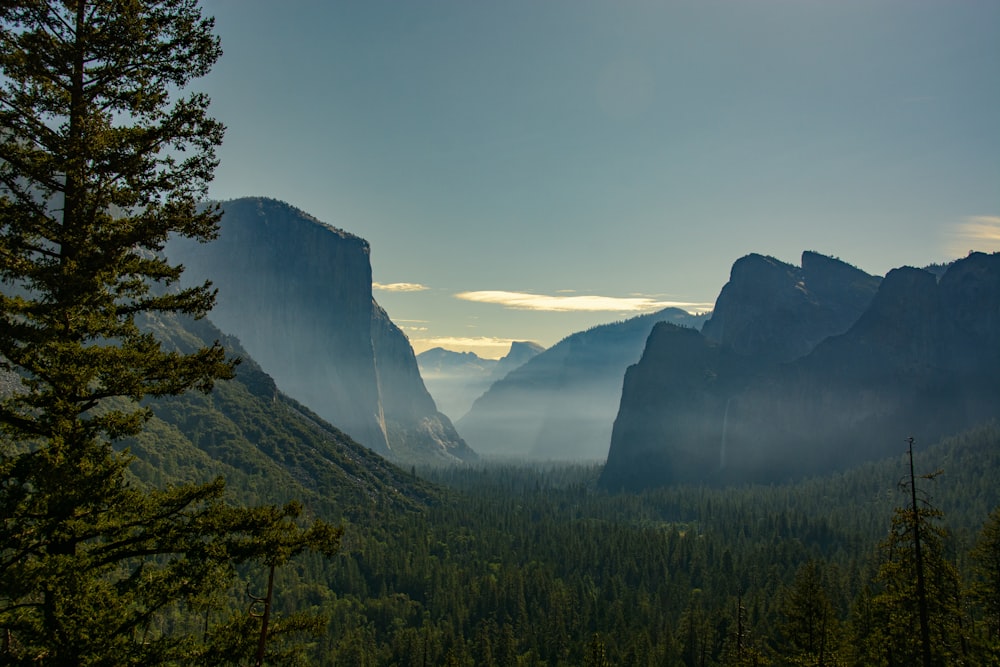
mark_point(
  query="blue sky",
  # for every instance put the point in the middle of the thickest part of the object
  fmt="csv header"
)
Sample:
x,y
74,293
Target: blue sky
x,y
525,169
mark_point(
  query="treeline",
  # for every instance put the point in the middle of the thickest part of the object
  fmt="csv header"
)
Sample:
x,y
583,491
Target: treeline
x,y
533,566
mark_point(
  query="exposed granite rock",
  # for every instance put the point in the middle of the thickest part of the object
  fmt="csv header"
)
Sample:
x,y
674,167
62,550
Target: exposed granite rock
x,y
560,404
673,415
415,429
922,360
780,312
297,293
520,353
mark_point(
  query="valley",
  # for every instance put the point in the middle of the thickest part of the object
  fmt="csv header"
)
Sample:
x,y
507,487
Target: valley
x,y
654,421
684,547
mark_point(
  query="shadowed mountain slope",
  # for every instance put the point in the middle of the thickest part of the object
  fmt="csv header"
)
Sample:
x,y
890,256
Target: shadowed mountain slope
x,y
922,359
297,294
268,447
560,405
780,312
456,379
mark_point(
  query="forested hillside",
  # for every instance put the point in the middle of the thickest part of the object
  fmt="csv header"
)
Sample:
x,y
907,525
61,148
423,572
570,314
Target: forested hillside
x,y
535,566
267,446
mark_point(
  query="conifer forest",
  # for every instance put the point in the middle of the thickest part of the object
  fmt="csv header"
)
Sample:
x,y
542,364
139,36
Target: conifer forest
x,y
164,503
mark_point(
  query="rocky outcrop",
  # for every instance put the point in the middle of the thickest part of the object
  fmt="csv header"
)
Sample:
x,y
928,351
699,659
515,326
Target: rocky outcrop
x,y
560,404
921,360
520,353
414,428
781,312
297,293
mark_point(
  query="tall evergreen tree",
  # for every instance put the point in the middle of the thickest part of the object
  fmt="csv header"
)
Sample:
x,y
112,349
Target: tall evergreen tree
x,y
986,590
809,630
919,604
101,159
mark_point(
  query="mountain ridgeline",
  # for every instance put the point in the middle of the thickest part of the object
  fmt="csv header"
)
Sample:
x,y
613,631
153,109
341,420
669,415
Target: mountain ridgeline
x,y
456,379
267,446
298,295
803,370
560,405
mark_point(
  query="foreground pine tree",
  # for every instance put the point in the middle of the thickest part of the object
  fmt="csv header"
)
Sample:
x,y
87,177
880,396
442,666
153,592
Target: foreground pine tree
x,y
986,586
917,611
101,160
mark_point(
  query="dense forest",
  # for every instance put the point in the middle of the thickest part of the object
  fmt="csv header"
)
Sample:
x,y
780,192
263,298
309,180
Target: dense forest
x,y
139,460
535,566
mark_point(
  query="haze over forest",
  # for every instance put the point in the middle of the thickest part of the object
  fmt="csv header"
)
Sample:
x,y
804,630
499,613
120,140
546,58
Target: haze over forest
x,y
508,334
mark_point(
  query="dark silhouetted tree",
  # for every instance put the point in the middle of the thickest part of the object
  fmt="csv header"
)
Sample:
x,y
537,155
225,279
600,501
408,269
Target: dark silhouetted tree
x,y
918,606
809,630
986,589
101,159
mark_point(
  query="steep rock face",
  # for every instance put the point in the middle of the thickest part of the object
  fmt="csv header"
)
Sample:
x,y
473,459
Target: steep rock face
x,y
520,353
780,312
267,446
920,361
297,293
561,403
672,420
415,429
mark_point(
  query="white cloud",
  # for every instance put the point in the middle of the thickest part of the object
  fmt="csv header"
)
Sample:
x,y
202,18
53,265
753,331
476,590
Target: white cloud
x,y
399,287
583,303
980,232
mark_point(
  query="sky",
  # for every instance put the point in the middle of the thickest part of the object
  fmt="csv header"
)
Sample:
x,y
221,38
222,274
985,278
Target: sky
x,y
526,169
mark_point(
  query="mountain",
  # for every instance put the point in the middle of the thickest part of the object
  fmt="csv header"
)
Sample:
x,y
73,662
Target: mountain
x,y
922,360
297,293
560,405
520,353
267,446
455,379
780,312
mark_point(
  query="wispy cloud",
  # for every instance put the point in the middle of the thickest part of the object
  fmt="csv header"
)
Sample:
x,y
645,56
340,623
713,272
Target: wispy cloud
x,y
399,287
582,303
979,232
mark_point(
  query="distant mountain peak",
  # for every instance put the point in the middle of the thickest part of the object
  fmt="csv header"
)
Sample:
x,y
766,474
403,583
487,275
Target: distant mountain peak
x,y
773,309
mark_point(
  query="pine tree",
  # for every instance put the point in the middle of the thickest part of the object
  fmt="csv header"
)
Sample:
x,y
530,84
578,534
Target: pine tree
x,y
986,591
101,159
809,629
919,606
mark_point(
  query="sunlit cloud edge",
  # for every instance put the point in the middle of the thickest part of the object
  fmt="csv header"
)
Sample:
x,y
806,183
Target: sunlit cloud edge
x,y
975,233
399,287
579,303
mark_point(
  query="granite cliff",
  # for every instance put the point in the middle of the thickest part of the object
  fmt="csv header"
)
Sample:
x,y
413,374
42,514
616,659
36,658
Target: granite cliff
x,y
561,403
297,294
922,359
780,312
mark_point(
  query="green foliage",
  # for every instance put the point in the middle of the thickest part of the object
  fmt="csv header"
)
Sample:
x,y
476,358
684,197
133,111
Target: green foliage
x,y
655,577
809,627
986,582
917,610
101,161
